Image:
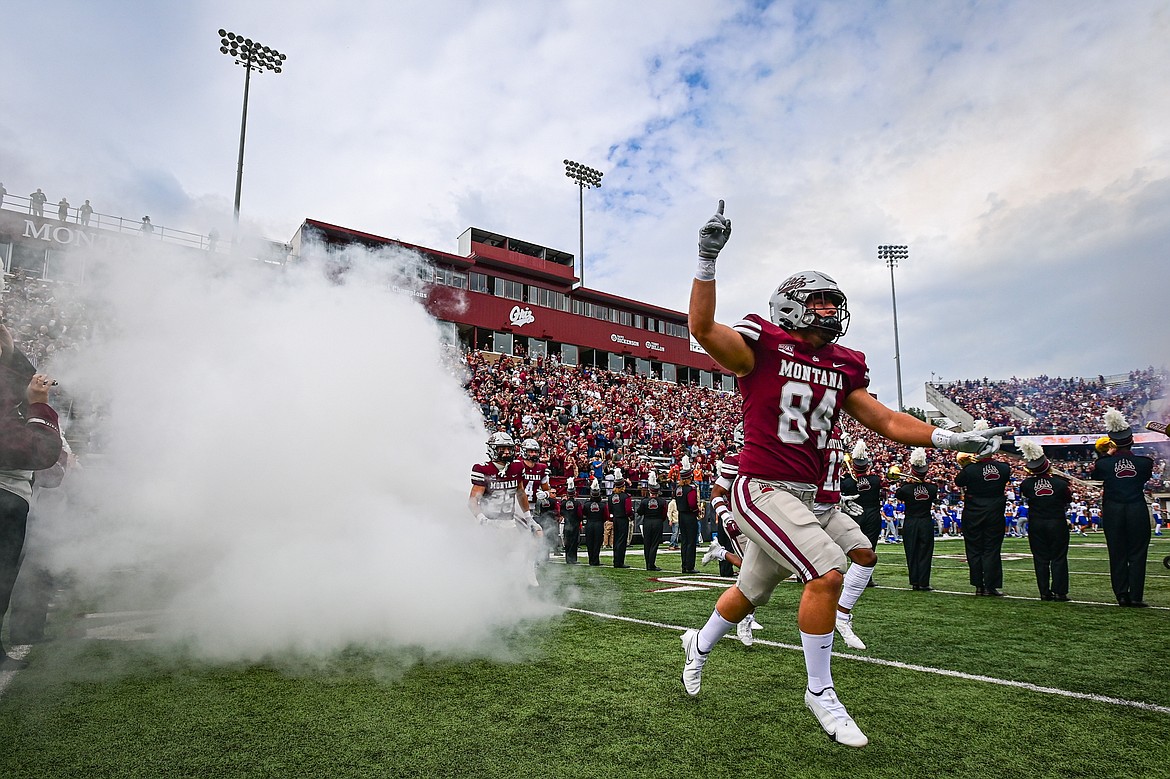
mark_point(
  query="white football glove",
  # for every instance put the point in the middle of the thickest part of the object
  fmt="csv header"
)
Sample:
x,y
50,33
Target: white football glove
x,y
850,506
976,442
483,520
712,238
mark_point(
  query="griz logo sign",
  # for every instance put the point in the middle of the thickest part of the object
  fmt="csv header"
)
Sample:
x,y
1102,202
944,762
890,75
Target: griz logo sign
x,y
521,316
1125,469
990,473
1044,488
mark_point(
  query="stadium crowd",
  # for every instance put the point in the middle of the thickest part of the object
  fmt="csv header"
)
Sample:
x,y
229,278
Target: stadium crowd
x,y
41,324
1055,405
590,421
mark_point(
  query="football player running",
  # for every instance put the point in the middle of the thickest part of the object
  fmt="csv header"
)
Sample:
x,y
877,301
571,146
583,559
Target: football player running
x,y
795,382
535,480
497,499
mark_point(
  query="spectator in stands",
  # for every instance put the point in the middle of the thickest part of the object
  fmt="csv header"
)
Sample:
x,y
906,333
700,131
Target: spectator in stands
x,y
147,228
84,213
63,210
36,203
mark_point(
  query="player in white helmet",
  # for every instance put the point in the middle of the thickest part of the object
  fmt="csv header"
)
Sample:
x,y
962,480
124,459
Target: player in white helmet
x,y
497,499
795,382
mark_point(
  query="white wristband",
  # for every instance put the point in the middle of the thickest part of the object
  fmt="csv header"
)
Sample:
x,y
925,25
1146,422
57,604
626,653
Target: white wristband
x,y
705,271
482,518
940,438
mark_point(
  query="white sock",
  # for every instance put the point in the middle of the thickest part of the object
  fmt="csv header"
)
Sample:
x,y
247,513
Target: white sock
x,y
855,580
716,628
818,652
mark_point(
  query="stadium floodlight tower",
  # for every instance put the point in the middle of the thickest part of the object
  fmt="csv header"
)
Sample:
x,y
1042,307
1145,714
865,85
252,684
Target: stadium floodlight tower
x,y
891,254
586,178
251,55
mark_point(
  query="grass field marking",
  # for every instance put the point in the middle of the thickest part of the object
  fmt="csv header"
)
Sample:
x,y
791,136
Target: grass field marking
x,y
694,583
1086,696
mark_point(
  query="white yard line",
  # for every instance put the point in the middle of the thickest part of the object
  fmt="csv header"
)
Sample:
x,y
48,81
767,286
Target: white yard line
x,y
912,667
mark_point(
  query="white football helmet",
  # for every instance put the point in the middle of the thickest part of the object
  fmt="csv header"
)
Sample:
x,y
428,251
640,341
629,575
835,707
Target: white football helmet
x,y
501,447
788,308
737,436
530,449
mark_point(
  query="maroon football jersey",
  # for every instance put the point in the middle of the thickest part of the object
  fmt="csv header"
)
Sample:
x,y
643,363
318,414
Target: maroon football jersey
x,y
532,478
499,494
829,489
791,400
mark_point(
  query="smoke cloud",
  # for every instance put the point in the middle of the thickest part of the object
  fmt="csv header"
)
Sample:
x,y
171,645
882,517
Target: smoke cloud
x,y
284,462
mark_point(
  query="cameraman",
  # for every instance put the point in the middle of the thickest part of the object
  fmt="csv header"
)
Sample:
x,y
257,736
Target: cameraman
x,y
29,441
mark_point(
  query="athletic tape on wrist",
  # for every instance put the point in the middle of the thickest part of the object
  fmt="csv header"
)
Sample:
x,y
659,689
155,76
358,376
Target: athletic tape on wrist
x,y
940,438
705,271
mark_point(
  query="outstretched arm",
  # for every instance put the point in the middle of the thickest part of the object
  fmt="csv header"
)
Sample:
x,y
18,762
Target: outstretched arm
x,y
903,428
725,345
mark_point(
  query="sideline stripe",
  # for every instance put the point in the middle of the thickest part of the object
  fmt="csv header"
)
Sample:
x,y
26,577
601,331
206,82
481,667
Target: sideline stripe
x,y
911,667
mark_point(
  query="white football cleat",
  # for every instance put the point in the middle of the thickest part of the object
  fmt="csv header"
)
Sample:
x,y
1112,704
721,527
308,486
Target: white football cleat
x,y
692,675
833,718
845,628
743,629
755,623
714,552
532,582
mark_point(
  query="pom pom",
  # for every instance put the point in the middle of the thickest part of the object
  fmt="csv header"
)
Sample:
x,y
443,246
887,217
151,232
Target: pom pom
x,y
1114,421
1031,450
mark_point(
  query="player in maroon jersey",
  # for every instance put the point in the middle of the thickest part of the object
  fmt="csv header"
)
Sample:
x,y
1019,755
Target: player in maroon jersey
x,y
535,475
795,381
839,520
534,480
497,499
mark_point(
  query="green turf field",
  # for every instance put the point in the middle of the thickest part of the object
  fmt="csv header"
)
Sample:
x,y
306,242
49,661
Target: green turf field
x,y
951,685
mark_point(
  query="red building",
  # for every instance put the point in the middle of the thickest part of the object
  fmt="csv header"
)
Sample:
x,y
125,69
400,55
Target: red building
x,y
509,296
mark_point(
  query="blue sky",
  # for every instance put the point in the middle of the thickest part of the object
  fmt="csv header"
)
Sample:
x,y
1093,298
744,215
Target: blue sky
x,y
1021,149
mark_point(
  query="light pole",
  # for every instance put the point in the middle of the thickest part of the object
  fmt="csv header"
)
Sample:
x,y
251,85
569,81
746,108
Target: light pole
x,y
586,177
251,54
891,254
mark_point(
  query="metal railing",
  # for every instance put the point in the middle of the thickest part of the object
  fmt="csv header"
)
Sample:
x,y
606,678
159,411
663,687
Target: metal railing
x,y
117,224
